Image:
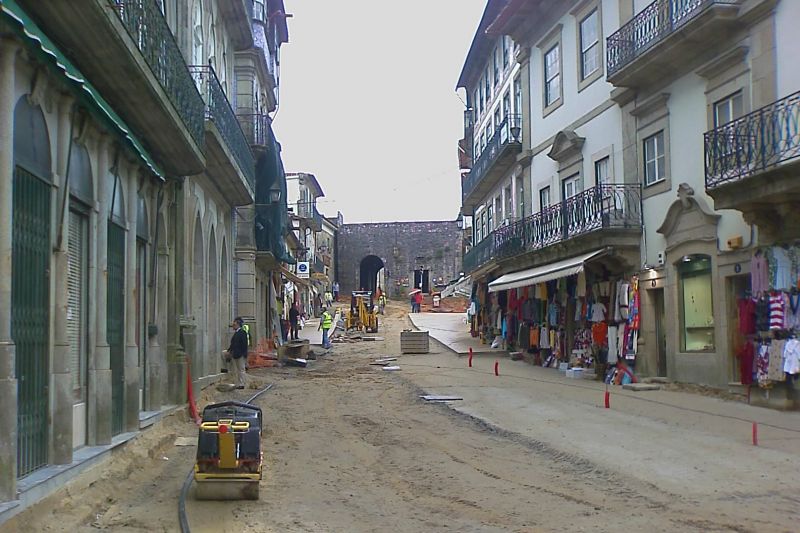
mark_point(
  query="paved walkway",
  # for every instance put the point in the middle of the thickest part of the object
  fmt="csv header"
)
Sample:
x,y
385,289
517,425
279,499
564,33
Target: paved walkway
x,y
452,331
686,441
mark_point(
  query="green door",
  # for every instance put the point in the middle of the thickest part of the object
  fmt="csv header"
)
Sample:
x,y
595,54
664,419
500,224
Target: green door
x,y
115,324
30,318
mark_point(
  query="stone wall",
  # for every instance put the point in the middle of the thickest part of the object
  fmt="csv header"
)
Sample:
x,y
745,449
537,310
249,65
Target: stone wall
x,y
403,247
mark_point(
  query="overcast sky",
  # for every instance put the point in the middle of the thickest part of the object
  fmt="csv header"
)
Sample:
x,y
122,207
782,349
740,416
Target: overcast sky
x,y
368,104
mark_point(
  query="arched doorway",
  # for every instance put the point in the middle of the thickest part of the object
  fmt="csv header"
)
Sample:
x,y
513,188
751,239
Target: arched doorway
x,y
212,316
225,317
371,273
198,297
30,295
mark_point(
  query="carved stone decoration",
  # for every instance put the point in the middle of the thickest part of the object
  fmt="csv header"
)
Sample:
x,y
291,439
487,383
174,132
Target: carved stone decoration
x,y
566,144
689,219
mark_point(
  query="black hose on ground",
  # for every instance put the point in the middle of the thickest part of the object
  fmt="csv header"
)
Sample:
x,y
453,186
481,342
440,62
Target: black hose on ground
x,y
187,484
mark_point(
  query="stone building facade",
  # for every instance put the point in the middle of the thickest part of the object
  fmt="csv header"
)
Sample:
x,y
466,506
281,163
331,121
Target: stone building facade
x,y
392,254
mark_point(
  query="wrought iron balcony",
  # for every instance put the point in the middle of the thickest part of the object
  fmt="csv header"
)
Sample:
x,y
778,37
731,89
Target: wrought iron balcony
x,y
599,208
255,127
754,143
479,255
653,25
219,111
497,156
150,32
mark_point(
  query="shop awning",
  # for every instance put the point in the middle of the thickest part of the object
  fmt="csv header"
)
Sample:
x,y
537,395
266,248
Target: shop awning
x,y
540,274
291,276
26,27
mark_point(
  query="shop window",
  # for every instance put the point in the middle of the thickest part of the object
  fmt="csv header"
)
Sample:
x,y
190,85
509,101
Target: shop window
x,y
697,315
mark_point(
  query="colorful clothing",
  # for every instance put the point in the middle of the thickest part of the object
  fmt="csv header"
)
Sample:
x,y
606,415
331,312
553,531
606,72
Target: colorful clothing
x,y
776,310
747,316
759,274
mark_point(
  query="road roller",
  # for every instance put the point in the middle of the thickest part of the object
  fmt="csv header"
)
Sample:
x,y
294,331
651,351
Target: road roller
x,y
229,456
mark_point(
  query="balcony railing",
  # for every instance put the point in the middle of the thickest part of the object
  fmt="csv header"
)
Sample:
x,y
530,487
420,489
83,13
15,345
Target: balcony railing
x,y
601,207
255,127
149,30
220,112
650,26
753,143
509,131
478,255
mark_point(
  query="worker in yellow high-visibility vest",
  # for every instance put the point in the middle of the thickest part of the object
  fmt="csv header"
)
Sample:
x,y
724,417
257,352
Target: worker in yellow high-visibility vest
x,y
325,324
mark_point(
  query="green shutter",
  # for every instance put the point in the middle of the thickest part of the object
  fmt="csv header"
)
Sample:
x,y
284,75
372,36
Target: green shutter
x,y
115,324
30,317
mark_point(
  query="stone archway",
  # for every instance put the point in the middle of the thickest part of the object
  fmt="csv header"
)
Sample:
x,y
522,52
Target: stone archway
x,y
198,296
212,308
369,269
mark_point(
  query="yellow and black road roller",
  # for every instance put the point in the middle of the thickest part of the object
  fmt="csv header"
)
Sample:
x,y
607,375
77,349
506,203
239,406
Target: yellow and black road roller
x,y
229,457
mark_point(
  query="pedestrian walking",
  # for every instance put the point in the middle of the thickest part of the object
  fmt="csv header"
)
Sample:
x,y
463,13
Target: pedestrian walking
x,y
294,319
325,324
413,302
237,352
335,291
418,301
328,299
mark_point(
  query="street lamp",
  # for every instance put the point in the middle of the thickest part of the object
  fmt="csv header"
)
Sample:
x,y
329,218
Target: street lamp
x,y
515,132
274,195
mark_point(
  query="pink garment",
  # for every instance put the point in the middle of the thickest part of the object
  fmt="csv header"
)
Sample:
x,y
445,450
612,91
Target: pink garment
x,y
759,274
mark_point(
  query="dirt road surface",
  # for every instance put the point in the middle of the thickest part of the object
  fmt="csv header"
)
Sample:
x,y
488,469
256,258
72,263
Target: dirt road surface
x,y
351,448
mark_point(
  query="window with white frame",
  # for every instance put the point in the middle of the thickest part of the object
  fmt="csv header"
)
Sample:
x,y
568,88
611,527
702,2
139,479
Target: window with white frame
x,y
489,218
497,117
487,84
517,96
601,172
590,44
489,130
728,109
506,43
544,198
654,159
483,140
509,208
496,66
552,75
476,105
498,210
482,98
507,104
570,186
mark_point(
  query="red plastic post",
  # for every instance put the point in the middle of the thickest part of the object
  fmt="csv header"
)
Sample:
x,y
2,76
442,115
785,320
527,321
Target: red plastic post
x,y
470,357
608,400
755,434
497,368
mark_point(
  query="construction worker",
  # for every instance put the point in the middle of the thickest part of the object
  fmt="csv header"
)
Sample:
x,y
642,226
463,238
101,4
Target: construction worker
x,y
325,324
382,302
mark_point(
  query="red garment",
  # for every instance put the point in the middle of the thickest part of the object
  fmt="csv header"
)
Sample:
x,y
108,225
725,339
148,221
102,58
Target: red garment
x,y
600,333
418,298
747,316
746,356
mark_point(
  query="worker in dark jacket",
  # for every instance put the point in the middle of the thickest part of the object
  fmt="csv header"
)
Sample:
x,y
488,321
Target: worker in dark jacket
x,y
237,352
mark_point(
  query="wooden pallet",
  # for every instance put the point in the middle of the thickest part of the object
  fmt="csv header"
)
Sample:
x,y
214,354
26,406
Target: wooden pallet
x,y
414,342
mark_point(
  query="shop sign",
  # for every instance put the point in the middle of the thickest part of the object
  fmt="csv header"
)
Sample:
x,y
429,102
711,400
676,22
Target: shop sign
x,y
303,271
